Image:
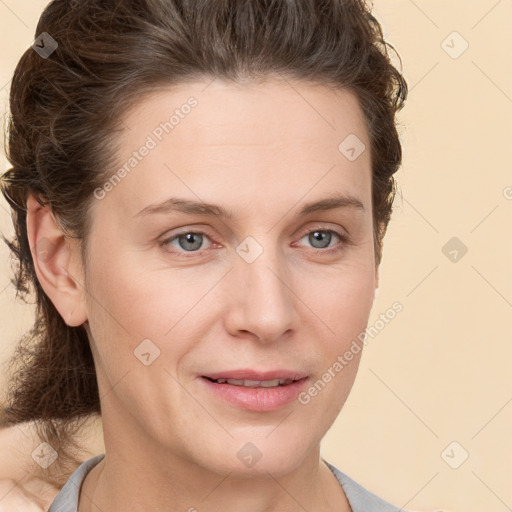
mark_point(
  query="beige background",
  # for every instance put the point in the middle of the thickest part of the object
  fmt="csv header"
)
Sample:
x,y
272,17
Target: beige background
x,y
440,371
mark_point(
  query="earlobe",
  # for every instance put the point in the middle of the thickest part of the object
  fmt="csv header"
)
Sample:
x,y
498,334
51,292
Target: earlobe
x,y
56,263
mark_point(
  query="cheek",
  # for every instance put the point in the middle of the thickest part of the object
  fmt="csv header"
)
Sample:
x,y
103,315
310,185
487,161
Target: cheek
x,y
131,303
135,298
342,305
341,298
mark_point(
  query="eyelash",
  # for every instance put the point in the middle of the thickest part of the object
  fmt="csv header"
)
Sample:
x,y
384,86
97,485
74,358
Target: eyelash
x,y
345,240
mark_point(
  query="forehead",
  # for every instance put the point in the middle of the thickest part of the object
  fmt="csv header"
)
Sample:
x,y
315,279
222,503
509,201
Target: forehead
x,y
307,110
237,139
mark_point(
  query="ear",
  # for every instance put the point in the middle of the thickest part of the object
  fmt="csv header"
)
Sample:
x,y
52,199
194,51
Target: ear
x,y
57,263
376,291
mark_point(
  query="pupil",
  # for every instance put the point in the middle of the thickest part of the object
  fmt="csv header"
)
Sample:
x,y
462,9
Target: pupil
x,y
318,235
190,239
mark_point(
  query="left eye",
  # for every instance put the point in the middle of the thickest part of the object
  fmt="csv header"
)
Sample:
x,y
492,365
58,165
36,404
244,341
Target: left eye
x,y
192,241
322,236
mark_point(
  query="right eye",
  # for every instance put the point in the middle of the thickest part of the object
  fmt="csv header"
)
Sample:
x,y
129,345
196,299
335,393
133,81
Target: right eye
x,y
185,242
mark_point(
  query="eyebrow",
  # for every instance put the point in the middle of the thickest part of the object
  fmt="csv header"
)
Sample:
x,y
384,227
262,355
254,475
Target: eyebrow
x,y
174,204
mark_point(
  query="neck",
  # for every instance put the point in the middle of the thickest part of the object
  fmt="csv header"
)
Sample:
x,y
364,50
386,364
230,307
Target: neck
x,y
137,476
141,472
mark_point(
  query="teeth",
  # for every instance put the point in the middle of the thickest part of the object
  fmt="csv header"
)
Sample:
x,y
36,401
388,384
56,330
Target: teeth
x,y
255,383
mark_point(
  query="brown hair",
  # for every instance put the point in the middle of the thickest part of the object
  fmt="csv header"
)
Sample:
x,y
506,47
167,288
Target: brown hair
x,y
65,120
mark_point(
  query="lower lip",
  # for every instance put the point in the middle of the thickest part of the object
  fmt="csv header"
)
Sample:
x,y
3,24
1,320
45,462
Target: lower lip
x,y
257,398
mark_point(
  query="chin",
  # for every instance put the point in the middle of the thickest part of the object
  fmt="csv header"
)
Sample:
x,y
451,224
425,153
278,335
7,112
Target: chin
x,y
250,455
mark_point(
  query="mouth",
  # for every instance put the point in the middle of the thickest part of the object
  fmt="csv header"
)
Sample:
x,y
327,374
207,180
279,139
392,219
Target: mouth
x,y
253,383
255,391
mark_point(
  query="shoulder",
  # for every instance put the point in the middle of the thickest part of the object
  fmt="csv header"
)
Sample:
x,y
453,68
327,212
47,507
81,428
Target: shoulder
x,y
67,499
360,498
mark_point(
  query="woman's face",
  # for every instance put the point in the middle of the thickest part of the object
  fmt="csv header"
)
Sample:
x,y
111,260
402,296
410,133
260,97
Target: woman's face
x,y
178,292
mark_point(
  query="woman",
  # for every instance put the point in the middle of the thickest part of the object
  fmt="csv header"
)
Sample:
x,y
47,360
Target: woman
x,y
200,192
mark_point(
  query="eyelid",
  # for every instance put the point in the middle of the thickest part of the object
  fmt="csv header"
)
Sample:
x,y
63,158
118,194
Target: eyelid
x,y
338,230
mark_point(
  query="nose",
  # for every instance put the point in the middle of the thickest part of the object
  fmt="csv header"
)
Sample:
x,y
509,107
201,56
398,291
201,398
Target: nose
x,y
263,303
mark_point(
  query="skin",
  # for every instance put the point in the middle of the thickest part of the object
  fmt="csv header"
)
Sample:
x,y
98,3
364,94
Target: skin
x,y
262,152
21,485
24,485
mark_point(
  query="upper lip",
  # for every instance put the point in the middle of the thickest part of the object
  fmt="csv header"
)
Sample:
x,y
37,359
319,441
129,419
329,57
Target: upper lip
x,y
249,374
